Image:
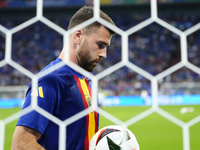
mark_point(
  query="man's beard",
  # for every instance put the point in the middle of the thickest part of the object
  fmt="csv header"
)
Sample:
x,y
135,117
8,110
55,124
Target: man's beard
x,y
84,58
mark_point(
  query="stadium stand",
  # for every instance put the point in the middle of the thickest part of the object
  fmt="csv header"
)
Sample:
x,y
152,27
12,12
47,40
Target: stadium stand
x,y
153,49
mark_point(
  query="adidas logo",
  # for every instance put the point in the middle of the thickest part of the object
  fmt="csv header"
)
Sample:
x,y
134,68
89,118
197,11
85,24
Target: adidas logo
x,y
38,92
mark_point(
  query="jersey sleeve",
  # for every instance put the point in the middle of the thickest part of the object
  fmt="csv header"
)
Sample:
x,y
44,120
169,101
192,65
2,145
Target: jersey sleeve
x,y
48,92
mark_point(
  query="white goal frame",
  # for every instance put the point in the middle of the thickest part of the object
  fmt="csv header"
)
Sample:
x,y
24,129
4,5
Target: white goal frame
x,y
95,78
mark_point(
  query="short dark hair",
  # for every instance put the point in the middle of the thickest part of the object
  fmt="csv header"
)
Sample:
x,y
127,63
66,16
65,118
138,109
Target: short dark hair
x,y
85,13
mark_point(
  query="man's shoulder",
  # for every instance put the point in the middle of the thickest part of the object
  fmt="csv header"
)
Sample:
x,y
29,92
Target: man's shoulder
x,y
57,76
55,71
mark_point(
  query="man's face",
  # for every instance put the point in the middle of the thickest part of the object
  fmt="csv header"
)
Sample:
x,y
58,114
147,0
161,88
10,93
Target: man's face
x,y
93,48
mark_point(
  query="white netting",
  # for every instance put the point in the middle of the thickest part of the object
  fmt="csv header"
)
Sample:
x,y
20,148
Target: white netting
x,y
124,62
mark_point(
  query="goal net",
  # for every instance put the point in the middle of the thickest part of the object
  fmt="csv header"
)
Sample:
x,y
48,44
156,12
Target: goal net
x,y
18,92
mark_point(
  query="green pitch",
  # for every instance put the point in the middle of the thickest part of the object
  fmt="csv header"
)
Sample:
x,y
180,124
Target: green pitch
x,y
10,127
153,132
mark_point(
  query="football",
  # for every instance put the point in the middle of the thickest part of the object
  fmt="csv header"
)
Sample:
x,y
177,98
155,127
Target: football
x,y
114,137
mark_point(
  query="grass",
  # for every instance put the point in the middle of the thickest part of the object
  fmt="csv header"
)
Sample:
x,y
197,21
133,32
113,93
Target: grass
x,y
153,132
10,127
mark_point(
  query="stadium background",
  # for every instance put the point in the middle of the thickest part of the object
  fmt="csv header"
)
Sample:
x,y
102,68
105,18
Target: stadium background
x,y
153,48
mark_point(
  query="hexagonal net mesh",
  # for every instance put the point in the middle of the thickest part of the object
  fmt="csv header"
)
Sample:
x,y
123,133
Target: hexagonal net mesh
x,y
95,78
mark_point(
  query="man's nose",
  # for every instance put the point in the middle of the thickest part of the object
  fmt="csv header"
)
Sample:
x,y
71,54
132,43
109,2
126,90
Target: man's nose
x,y
103,53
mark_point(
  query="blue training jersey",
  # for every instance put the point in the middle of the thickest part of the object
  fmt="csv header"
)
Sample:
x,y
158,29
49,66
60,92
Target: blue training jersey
x,y
63,93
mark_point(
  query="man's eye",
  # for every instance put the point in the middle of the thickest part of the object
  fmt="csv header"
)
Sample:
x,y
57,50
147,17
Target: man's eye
x,y
101,46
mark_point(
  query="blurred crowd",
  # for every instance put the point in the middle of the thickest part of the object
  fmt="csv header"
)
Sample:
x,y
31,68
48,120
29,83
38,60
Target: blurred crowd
x,y
153,49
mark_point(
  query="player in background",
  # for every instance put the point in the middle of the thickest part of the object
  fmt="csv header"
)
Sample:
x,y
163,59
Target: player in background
x,y
65,92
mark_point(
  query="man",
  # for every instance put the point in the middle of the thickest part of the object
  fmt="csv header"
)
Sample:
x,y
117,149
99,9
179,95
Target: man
x,y
65,92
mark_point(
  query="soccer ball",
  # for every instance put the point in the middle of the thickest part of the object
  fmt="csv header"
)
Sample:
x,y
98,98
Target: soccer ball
x,y
114,137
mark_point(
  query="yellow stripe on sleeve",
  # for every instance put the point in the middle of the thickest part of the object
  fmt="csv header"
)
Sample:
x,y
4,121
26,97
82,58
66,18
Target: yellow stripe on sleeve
x,y
41,92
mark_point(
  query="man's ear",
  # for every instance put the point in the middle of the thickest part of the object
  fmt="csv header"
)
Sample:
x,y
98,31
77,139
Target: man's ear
x,y
77,36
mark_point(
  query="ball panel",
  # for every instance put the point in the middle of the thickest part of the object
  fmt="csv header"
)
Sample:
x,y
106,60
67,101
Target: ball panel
x,y
113,136
104,132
